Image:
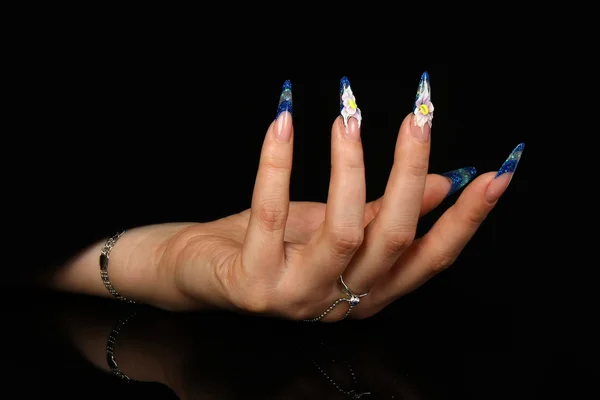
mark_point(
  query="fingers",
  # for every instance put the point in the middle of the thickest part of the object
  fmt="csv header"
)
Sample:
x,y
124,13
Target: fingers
x,y
340,235
437,188
270,201
305,218
443,243
394,227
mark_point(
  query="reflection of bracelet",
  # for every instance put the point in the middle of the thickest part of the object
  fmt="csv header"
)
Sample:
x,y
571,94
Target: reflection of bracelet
x,y
110,347
352,393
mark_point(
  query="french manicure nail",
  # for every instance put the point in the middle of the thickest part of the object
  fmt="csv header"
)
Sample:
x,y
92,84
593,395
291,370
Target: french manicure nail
x,y
423,109
504,175
285,110
459,178
348,107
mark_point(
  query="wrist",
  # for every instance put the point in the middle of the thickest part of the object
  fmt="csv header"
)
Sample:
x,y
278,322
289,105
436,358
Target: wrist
x,y
134,269
137,272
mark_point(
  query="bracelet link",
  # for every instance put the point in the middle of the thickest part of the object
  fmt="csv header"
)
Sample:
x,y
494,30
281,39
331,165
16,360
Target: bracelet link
x,y
104,258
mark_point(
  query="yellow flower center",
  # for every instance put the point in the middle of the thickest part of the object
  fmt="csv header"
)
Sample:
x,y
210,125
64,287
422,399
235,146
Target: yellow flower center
x,y
424,109
352,104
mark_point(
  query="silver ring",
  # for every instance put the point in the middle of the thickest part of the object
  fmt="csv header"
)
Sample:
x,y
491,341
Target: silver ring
x,y
352,299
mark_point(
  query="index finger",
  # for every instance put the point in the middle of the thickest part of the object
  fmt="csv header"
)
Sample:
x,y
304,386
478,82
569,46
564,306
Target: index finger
x,y
263,244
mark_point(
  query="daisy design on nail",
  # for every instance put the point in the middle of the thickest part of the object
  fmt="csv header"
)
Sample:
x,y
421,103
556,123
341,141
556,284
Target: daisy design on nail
x,y
348,102
423,106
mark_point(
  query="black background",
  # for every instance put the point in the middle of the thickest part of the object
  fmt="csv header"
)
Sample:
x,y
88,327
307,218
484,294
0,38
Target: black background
x,y
141,137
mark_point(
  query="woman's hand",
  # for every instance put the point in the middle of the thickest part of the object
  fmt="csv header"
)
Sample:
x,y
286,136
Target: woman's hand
x,y
285,259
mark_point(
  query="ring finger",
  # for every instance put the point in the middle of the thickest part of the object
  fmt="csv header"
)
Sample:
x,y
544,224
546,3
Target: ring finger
x,y
449,235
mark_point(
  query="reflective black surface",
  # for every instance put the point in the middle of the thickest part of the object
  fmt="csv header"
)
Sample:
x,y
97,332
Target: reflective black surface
x,y
171,145
413,350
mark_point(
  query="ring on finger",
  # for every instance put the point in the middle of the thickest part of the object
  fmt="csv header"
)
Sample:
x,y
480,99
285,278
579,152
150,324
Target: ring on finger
x,y
352,299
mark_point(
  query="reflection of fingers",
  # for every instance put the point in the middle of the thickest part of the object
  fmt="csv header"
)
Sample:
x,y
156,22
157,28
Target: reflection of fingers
x,y
342,232
444,242
263,244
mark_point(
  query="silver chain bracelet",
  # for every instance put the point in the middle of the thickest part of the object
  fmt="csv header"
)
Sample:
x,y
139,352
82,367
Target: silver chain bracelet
x,y
104,257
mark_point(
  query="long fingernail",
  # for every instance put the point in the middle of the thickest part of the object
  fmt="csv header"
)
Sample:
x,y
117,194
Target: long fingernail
x,y
510,165
459,178
285,110
423,110
349,109
504,175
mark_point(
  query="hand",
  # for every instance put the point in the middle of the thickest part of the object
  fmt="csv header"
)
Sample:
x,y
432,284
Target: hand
x,y
285,259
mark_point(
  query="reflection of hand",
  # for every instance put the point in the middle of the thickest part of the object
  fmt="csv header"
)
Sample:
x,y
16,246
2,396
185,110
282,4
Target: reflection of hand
x,y
218,363
285,259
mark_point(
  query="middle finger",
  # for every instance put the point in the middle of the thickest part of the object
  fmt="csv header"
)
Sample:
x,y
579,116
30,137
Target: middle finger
x,y
394,227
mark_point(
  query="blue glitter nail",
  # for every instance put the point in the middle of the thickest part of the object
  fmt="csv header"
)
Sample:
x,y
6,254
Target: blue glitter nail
x,y
510,165
348,106
285,100
459,178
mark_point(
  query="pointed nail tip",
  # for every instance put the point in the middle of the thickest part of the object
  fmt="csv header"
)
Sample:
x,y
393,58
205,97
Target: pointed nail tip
x,y
512,162
472,171
425,75
285,100
517,152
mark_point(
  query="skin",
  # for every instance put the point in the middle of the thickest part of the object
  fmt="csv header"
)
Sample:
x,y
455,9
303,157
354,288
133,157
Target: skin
x,y
284,258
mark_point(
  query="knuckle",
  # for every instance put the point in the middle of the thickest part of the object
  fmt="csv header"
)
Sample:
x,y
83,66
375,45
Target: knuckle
x,y
246,291
398,240
418,167
441,261
274,162
272,215
353,163
347,239
475,217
